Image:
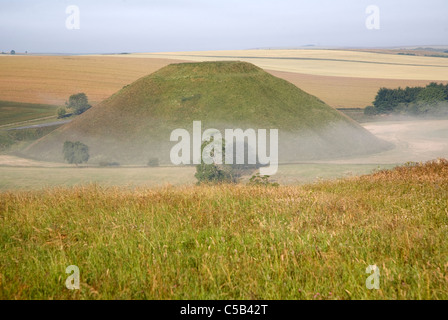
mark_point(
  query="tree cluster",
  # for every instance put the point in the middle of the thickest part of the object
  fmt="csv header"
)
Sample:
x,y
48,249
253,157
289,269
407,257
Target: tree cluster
x,y
411,100
78,103
224,173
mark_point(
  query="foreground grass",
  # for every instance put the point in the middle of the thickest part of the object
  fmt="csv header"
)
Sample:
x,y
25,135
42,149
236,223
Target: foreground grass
x,y
232,242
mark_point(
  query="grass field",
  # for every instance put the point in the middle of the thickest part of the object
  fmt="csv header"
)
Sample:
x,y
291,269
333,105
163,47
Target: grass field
x,y
231,242
37,178
340,78
32,178
13,112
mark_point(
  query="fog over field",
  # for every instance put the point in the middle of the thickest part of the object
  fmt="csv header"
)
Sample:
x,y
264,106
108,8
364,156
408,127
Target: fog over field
x,y
412,140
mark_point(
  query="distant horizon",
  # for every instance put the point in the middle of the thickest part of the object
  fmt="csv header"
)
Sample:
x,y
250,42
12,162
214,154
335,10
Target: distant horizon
x,y
305,47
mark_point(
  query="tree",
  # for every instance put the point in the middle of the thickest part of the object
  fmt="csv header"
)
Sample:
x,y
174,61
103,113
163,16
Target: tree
x,y
153,162
410,99
224,173
432,93
13,52
62,113
214,173
78,103
75,152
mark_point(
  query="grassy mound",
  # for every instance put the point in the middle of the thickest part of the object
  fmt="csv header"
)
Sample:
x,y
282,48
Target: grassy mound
x,y
134,124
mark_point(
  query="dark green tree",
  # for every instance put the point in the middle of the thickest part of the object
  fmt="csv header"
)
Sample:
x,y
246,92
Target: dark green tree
x,y
78,103
62,113
225,173
75,152
414,100
432,93
214,173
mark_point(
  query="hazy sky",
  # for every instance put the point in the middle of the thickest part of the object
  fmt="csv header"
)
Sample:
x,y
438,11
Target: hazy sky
x,y
185,25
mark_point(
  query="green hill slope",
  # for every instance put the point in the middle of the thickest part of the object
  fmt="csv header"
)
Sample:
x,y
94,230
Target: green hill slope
x,y
135,123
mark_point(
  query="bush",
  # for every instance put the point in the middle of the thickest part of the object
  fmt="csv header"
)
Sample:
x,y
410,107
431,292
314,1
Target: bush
x,y
62,112
108,164
153,162
213,173
78,103
370,111
6,141
258,180
75,152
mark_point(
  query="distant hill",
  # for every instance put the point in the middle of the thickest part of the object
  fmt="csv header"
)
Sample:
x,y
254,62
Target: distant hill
x,y
135,123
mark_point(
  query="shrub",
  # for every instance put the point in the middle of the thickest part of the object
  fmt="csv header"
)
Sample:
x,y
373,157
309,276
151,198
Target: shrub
x,y
75,152
6,141
370,111
78,103
62,112
213,173
108,164
153,162
218,173
258,180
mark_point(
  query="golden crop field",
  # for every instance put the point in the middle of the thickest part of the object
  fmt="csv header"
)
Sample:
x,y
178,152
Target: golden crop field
x,y
340,78
338,63
52,79
344,92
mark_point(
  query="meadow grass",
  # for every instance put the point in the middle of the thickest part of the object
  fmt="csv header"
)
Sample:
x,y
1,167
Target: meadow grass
x,y
13,112
232,241
36,178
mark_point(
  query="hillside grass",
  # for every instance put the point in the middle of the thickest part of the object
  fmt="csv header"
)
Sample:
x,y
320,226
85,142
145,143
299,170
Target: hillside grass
x,y
17,139
232,242
13,112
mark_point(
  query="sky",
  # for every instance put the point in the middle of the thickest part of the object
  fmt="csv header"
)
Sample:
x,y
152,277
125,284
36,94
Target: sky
x,y
116,26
